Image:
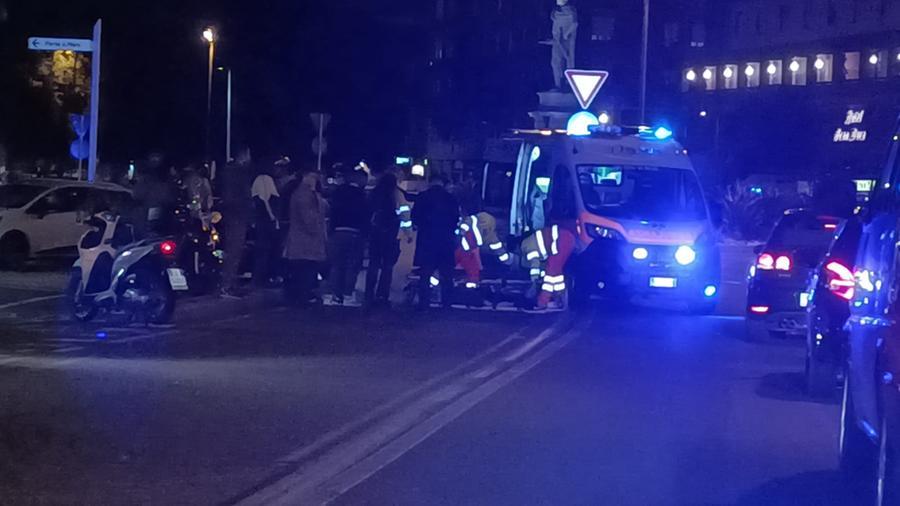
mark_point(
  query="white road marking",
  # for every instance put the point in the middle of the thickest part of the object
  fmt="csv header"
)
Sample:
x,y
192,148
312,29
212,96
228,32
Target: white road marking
x,y
25,302
353,460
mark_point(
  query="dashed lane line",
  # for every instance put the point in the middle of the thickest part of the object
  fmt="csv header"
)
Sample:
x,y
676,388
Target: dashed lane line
x,y
26,302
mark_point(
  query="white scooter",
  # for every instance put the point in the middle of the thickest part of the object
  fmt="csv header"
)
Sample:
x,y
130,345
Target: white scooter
x,y
118,274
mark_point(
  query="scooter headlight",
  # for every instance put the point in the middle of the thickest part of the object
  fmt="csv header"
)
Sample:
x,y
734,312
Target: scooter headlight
x,y
685,255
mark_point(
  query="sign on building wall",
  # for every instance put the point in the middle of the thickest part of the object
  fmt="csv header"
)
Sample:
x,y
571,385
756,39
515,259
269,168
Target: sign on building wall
x,y
852,129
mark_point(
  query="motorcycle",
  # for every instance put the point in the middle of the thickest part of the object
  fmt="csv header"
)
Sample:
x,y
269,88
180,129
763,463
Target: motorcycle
x,y
116,273
199,250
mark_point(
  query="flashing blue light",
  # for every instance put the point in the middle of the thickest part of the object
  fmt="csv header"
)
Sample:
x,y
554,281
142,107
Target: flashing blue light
x,y
102,335
662,133
581,122
710,291
756,190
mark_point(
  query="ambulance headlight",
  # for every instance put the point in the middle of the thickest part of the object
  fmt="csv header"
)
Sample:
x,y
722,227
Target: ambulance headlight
x,y
685,255
598,232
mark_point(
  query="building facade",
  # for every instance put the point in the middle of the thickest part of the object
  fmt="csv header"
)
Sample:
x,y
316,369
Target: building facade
x,y
799,88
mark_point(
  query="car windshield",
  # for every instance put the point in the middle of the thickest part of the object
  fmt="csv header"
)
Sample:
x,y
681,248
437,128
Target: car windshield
x,y
803,231
14,196
641,192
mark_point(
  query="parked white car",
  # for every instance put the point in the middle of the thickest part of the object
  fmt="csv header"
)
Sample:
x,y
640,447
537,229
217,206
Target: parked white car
x,y
45,217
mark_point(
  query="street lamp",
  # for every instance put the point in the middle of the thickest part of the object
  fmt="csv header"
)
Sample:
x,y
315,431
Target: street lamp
x,y
209,35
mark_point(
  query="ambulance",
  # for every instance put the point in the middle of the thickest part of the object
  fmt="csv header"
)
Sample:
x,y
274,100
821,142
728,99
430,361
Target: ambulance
x,y
634,200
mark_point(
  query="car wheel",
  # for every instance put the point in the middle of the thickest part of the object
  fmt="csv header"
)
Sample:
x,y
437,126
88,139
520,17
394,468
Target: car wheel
x,y
14,251
857,454
821,377
81,311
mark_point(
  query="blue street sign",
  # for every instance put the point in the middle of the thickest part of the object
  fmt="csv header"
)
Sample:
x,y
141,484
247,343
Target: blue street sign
x,y
56,44
79,149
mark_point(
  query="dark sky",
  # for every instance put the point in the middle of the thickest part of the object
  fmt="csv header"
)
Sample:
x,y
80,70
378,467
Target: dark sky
x,y
358,59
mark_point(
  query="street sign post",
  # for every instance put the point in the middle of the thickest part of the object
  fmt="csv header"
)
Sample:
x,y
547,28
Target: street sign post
x,y
55,44
95,101
86,125
80,150
320,145
586,84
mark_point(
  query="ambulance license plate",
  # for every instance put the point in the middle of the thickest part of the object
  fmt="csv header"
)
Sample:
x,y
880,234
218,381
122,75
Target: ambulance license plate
x,y
177,280
663,282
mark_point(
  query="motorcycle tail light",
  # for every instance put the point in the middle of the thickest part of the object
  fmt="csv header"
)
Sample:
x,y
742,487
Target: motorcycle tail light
x,y
167,247
840,280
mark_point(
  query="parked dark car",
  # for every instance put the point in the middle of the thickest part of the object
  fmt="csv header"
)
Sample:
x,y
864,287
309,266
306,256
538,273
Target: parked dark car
x,y
870,414
777,289
831,289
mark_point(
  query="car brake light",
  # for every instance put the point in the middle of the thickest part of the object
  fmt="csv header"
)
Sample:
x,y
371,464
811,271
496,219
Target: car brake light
x,y
783,263
830,226
765,262
167,247
840,280
759,309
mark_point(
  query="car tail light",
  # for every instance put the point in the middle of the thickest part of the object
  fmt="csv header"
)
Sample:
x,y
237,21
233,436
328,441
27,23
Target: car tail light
x,y
167,247
840,280
783,263
768,262
765,262
759,309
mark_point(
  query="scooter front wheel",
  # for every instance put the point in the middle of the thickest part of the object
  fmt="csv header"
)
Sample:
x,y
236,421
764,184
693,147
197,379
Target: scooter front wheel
x,y
81,309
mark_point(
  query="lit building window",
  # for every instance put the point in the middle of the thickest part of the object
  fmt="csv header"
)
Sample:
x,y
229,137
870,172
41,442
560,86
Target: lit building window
x,y
877,64
689,79
774,72
709,78
751,74
730,77
851,66
824,65
797,69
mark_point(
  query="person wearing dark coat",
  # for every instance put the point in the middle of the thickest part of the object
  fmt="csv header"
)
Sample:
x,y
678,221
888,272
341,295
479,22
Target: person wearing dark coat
x,y
435,216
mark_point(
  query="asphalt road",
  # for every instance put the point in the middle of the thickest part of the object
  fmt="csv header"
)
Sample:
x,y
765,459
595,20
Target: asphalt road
x,y
252,403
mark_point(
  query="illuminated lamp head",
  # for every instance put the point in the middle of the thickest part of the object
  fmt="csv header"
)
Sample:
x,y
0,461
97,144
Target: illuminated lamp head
x,y
581,122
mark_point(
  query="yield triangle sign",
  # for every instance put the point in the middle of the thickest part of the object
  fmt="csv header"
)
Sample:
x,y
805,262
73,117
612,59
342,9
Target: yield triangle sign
x,y
586,84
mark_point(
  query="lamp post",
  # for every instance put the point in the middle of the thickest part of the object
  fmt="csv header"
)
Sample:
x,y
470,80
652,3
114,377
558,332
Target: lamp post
x,y
210,37
644,43
227,114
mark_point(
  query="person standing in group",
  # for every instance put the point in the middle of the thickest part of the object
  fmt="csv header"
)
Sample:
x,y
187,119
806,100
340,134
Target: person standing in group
x,y
265,202
435,216
306,240
384,243
349,223
234,188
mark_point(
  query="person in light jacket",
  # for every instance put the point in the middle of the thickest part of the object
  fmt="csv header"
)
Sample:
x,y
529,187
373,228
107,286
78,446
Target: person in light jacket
x,y
306,240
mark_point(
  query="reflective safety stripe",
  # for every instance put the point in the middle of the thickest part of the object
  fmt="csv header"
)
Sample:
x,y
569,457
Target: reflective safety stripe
x,y
555,279
465,244
464,227
471,284
554,246
496,246
560,287
535,272
435,281
532,255
478,239
406,224
548,288
542,249
504,257
403,209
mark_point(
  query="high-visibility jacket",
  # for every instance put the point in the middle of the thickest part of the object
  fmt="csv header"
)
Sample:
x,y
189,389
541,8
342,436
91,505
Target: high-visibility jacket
x,y
547,251
478,232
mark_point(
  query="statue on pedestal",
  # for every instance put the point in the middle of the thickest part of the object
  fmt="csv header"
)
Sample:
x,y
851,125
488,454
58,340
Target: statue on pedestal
x,y
565,30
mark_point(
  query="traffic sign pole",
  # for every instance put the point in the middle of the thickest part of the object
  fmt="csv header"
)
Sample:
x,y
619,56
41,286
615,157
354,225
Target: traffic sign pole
x,y
321,134
95,101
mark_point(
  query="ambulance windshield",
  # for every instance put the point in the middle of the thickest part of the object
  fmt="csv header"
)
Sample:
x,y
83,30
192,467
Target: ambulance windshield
x,y
641,192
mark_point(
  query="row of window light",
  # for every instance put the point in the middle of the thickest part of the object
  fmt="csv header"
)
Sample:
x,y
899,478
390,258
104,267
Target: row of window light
x,y
797,67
